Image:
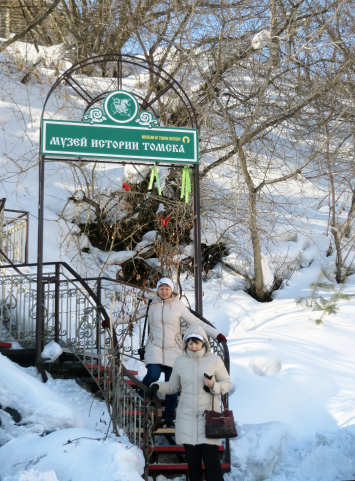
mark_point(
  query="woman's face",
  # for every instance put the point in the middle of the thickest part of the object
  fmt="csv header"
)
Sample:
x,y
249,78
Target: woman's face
x,y
194,345
164,291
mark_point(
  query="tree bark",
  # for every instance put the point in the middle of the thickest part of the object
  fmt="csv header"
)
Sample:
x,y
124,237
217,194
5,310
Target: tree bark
x,y
258,270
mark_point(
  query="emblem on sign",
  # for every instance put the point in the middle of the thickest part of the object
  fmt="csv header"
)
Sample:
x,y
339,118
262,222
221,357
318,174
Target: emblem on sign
x,y
121,106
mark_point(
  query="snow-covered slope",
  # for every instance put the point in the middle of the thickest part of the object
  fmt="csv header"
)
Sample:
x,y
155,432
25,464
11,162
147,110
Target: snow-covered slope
x,y
63,434
293,380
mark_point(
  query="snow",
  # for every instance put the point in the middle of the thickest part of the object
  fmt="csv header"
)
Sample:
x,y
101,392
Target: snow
x,y
51,352
36,402
25,52
88,455
261,40
122,256
293,391
62,434
274,452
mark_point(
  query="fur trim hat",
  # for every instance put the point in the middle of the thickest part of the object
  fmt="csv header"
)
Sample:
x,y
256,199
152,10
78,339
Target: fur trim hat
x,y
195,336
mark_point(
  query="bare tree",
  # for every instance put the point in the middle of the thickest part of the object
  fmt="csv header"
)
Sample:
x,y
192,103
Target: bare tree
x,y
261,87
32,24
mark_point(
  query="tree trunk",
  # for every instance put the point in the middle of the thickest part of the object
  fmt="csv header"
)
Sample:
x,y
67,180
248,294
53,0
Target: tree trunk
x,y
259,280
334,229
253,227
339,257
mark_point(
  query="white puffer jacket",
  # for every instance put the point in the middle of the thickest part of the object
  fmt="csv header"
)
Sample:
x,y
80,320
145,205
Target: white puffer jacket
x,y
188,379
164,343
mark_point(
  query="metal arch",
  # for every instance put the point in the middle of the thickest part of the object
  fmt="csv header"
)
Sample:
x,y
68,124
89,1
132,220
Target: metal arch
x,y
132,60
175,86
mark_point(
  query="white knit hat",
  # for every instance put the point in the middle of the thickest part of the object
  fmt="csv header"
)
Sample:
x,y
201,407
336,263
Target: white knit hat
x,y
196,336
165,280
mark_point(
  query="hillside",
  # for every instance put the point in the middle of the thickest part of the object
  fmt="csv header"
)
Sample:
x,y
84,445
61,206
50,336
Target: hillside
x,y
293,378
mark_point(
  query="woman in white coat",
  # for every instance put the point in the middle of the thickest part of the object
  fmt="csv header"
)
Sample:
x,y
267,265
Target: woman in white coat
x,y
164,341
196,392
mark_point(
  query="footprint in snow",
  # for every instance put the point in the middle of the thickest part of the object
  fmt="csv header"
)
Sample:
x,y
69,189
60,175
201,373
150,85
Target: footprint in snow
x,y
266,367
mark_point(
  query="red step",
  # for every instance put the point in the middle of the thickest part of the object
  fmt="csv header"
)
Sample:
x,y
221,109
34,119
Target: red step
x,y
103,368
179,468
5,344
175,449
131,383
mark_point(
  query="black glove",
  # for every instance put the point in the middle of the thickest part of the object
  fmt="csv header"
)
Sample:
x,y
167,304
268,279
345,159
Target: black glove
x,y
152,390
206,388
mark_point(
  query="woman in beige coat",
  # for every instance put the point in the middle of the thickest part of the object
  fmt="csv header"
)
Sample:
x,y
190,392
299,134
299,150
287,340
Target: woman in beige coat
x,y
188,379
164,342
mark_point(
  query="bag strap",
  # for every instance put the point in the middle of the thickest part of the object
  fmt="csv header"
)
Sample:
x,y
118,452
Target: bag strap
x,y
223,401
145,321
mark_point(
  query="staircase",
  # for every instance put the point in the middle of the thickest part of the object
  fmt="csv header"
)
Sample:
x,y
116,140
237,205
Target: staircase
x,y
73,312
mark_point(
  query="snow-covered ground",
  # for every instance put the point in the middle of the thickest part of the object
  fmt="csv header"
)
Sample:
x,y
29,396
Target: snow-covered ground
x,y
293,379
64,433
293,383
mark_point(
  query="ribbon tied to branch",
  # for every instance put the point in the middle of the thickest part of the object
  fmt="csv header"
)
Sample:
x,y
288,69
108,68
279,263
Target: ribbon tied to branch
x,y
152,175
186,184
165,222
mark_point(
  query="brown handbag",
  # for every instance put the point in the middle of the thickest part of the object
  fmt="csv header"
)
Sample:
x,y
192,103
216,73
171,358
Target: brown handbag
x,y
220,425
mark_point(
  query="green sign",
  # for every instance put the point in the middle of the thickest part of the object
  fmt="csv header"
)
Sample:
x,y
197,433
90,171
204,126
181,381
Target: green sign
x,y
119,131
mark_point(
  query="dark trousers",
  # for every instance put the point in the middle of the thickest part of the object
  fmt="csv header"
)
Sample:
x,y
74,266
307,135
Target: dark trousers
x,y
153,374
209,454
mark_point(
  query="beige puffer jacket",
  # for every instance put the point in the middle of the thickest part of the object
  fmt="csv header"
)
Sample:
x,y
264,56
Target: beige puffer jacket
x,y
187,378
164,342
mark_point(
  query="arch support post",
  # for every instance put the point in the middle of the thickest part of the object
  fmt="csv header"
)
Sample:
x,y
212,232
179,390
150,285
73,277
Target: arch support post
x,y
197,243
39,312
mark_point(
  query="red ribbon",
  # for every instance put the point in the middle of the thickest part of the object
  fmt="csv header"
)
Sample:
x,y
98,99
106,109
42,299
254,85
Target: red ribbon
x,y
165,222
126,187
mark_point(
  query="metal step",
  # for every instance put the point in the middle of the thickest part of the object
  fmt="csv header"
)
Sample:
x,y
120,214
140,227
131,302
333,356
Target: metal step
x,y
179,468
170,431
175,449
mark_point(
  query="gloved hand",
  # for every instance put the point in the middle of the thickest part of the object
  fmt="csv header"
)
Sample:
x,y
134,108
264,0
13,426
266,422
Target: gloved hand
x,y
220,338
152,390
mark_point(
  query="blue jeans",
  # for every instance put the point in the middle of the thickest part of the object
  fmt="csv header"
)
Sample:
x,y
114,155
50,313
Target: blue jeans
x,y
153,374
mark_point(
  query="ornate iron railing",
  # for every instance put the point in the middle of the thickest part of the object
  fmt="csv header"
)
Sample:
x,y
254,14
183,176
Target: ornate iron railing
x,y
13,235
73,312
71,317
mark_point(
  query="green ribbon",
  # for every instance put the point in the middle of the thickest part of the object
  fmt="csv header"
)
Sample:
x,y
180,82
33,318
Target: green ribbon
x,y
152,175
186,184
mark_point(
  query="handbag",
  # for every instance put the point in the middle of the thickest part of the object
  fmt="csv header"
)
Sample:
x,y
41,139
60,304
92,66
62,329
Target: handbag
x,y
141,350
220,425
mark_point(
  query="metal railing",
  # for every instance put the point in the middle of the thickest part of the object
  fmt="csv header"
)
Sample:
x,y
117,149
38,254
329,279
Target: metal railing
x,y
121,301
13,234
71,315
73,311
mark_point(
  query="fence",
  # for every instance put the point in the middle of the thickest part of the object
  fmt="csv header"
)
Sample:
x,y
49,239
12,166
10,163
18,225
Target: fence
x,y
14,234
71,316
